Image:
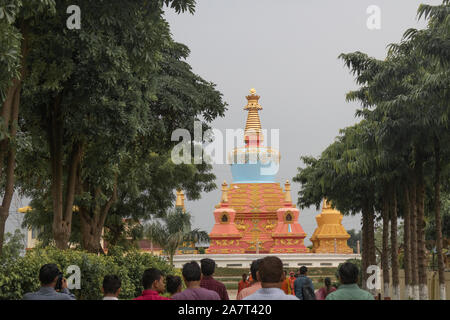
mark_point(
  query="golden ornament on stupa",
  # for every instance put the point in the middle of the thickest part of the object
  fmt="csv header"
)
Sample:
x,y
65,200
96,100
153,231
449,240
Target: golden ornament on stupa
x,y
179,203
330,235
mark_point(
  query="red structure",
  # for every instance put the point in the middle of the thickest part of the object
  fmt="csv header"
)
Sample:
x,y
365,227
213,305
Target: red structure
x,y
255,215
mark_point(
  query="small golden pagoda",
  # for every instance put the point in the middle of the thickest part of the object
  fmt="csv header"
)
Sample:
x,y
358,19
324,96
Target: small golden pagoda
x,y
188,247
330,235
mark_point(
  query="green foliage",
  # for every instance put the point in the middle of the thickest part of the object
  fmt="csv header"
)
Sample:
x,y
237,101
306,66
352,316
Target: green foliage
x,y
172,229
122,86
430,229
13,247
354,238
20,276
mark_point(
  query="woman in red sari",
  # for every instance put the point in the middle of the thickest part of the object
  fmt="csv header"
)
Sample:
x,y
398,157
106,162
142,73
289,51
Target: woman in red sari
x,y
322,293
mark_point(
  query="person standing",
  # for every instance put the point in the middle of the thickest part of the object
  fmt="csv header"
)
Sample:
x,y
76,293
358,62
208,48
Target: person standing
x,y
302,282
111,287
270,274
349,290
286,283
49,276
208,282
192,276
154,286
254,284
243,283
291,280
323,292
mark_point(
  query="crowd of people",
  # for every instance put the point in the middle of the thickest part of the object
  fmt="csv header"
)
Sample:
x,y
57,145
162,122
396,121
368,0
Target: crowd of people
x,y
267,281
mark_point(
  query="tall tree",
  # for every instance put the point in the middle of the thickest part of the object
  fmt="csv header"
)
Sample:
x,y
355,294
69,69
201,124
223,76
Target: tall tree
x,y
15,20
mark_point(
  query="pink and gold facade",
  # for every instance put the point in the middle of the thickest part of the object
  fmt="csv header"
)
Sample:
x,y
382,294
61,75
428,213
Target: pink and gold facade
x,y
255,215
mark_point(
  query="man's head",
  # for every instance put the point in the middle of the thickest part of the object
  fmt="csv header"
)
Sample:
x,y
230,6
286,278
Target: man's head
x,y
292,274
207,266
303,270
244,277
173,284
254,268
48,275
153,279
270,272
348,273
111,285
191,272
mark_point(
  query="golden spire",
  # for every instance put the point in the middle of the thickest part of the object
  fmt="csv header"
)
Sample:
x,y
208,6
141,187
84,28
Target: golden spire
x,y
326,204
179,203
224,192
253,124
287,192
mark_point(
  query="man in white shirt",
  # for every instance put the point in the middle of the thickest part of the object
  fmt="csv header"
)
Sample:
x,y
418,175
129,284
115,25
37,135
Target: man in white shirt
x,y
111,287
270,274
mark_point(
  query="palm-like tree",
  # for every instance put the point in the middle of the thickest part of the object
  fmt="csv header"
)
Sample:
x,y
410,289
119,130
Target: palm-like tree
x,y
171,230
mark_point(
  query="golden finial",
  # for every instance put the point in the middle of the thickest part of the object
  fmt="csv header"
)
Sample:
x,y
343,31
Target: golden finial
x,y
179,203
326,204
253,124
224,192
287,192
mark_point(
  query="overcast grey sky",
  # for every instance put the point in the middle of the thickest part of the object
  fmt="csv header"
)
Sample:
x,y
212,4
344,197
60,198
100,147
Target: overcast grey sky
x,y
287,50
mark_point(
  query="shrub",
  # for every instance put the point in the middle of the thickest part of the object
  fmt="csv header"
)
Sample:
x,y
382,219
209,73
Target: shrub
x,y
20,275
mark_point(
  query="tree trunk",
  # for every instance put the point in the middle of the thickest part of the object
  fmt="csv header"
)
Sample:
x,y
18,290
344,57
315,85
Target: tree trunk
x,y
394,246
62,211
93,220
10,117
413,229
372,260
371,235
421,250
437,218
365,248
91,233
385,251
10,166
406,243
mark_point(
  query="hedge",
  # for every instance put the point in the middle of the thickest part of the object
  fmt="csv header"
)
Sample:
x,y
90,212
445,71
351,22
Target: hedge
x,y
20,275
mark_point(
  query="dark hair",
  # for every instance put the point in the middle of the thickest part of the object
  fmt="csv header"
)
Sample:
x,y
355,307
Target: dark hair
x,y
111,283
191,271
207,266
348,273
303,270
254,267
48,273
271,269
172,284
151,275
327,282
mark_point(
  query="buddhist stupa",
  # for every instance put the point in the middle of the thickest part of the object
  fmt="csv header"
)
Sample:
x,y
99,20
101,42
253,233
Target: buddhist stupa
x,y
188,247
255,215
330,235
